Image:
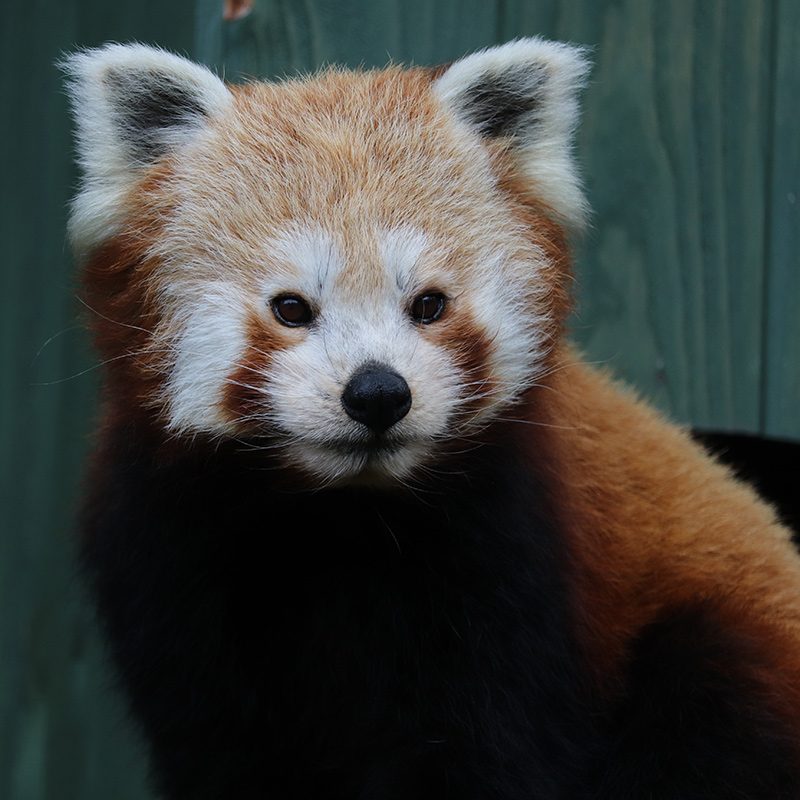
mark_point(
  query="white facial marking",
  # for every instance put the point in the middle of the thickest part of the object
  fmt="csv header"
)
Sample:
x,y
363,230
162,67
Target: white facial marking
x,y
304,259
514,329
358,322
401,249
211,342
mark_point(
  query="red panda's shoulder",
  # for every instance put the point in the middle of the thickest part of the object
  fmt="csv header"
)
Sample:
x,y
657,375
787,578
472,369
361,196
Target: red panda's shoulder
x,y
657,526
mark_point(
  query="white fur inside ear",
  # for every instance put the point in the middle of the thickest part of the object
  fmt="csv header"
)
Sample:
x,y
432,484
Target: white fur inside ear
x,y
527,90
131,103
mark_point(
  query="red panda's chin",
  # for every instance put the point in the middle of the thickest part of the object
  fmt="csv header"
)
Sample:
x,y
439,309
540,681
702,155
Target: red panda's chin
x,y
358,464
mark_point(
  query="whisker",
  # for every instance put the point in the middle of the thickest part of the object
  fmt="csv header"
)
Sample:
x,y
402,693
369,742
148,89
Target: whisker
x,y
391,532
259,389
53,337
539,424
108,319
92,368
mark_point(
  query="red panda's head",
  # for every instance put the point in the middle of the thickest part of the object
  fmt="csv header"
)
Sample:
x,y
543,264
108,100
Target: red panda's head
x,y
359,267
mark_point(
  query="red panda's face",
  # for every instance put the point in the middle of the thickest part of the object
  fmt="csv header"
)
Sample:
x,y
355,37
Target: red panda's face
x,y
337,267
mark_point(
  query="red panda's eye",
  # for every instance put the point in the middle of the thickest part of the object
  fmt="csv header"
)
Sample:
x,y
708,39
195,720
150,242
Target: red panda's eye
x,y
291,310
428,307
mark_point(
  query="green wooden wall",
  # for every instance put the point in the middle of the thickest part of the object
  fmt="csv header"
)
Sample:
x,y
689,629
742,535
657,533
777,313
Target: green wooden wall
x,y
689,281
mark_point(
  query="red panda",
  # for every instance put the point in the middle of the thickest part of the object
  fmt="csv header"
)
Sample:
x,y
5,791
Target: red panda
x,y
360,524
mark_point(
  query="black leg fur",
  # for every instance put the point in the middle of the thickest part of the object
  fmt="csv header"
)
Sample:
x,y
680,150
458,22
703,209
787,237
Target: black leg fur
x,y
694,724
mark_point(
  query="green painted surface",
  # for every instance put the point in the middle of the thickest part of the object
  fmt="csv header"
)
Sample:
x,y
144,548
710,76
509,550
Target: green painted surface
x,y
689,282
781,388
63,733
673,144
282,38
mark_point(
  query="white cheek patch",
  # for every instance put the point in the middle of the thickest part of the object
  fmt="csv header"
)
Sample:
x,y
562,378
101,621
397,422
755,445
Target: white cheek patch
x,y
212,340
513,325
304,389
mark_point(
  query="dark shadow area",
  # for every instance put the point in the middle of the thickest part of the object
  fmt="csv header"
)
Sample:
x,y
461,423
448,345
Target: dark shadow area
x,y
772,466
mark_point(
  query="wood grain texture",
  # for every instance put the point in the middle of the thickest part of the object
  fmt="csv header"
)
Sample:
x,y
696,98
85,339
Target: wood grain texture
x,y
63,732
283,38
781,397
673,144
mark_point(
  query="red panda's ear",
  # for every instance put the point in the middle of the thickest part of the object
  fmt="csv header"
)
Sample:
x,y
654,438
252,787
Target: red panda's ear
x,y
132,105
525,92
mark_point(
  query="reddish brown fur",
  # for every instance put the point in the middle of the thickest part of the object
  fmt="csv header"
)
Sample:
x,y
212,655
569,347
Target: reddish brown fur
x,y
118,278
656,525
119,316
471,352
243,397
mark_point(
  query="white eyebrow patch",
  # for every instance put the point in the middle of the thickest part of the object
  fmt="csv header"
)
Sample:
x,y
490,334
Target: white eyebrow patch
x,y
308,257
400,251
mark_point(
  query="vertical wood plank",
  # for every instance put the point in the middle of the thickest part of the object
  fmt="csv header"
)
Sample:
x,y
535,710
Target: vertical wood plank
x,y
782,324
281,37
63,731
674,145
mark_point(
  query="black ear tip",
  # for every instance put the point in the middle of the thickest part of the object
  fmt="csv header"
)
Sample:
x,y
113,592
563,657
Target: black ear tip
x,y
501,103
148,102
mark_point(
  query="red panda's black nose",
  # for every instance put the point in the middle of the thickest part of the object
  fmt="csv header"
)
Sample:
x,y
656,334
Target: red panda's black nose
x,y
377,397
